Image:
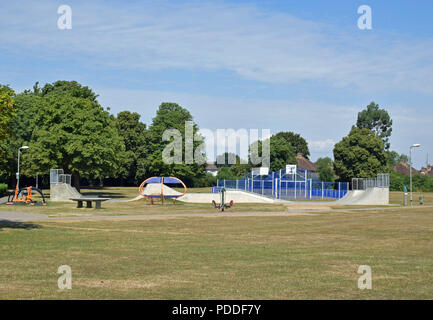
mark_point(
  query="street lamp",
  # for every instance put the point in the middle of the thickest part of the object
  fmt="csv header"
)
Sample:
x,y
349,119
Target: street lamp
x,y
18,172
416,145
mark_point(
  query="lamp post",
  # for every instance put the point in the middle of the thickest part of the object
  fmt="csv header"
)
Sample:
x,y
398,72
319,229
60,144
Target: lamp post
x,y
410,169
18,172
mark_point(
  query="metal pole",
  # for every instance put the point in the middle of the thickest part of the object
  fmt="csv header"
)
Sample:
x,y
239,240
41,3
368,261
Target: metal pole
x,y
279,187
18,173
322,190
306,174
311,188
37,185
410,174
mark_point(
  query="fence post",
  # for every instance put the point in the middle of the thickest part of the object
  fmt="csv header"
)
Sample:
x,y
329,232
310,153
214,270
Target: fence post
x,y
279,186
263,186
322,189
295,183
272,183
306,174
339,190
311,188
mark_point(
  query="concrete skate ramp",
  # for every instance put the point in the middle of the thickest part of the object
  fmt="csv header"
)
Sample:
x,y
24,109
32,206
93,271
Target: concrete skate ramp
x,y
350,197
155,188
63,192
236,196
371,196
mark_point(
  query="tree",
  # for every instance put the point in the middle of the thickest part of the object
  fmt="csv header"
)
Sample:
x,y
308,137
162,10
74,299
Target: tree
x,y
235,170
394,158
325,169
281,152
296,141
359,155
227,159
7,110
172,116
376,120
75,133
27,105
135,138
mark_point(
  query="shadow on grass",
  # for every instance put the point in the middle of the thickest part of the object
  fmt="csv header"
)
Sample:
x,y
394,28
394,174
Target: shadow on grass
x,y
7,224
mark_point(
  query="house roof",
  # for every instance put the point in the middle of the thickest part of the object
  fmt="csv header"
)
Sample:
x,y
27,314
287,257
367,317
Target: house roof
x,y
427,171
403,168
211,167
305,164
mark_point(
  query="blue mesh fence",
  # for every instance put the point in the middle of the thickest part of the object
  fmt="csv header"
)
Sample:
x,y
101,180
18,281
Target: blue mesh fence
x,y
286,187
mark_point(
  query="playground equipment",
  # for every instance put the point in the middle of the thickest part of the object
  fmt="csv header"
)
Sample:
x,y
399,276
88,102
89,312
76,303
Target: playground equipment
x,y
222,204
25,196
154,187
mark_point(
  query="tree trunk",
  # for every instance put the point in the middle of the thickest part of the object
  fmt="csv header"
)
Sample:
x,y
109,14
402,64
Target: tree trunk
x,y
76,180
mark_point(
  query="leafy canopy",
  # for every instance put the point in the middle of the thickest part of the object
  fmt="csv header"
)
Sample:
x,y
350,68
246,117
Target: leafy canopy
x,y
7,110
376,120
359,155
75,133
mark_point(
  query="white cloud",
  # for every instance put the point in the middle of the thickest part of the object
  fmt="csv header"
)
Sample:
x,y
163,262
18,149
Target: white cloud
x,y
321,145
258,45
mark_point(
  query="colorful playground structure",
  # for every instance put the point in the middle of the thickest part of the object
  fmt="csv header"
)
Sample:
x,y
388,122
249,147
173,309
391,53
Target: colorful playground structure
x,y
155,188
25,196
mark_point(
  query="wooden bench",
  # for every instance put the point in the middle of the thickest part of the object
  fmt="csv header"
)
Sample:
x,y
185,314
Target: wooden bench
x,y
89,201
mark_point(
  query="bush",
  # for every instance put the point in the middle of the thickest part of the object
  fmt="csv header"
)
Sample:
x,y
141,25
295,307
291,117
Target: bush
x,y
3,189
208,180
419,182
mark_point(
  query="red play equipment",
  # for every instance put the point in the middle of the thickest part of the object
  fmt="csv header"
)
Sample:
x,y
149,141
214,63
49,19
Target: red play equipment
x,y
158,190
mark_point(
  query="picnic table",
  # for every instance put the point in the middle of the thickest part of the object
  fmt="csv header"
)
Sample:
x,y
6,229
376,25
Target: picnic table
x,y
89,201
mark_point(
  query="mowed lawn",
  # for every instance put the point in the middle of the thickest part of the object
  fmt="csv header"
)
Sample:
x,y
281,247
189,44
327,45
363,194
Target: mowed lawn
x,y
255,257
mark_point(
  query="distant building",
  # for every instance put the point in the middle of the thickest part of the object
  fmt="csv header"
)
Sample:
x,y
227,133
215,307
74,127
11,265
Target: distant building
x,y
404,168
305,164
427,171
212,169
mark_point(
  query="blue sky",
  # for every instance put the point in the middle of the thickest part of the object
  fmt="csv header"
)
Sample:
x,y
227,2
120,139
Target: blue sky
x,y
302,66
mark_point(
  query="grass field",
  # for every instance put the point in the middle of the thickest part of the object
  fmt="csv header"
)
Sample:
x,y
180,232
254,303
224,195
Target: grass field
x,y
253,257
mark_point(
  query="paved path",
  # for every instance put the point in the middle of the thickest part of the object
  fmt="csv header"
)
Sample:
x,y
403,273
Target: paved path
x,y
27,216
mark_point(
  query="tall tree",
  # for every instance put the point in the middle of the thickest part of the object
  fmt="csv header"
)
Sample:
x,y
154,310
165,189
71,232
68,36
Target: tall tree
x,y
75,133
135,137
172,116
21,130
299,144
376,120
359,155
7,110
281,152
